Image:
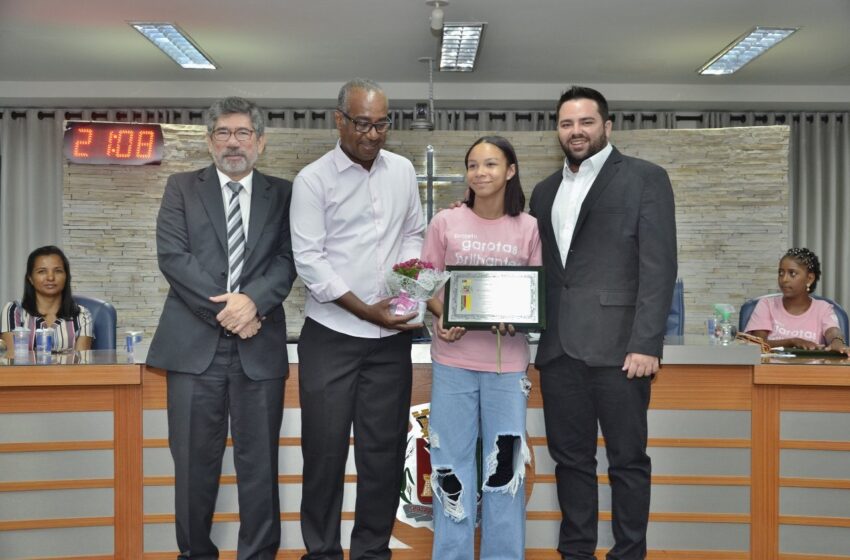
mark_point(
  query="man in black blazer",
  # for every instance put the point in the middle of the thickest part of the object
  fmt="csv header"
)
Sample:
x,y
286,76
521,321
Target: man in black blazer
x,y
607,225
222,333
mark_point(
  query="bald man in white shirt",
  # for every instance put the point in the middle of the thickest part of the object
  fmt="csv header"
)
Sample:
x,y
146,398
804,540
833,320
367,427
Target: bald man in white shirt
x,y
355,213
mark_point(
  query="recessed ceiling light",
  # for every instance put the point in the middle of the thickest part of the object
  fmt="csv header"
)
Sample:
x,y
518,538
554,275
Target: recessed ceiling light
x,y
459,46
744,49
176,44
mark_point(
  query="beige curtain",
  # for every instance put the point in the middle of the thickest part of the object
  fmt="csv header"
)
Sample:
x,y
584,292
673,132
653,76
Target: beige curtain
x,y
30,191
819,175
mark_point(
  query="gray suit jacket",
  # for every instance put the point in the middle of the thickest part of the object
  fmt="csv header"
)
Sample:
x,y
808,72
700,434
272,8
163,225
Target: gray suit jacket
x,y
614,294
192,253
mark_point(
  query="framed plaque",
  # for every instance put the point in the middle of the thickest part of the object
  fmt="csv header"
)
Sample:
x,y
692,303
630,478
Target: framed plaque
x,y
478,297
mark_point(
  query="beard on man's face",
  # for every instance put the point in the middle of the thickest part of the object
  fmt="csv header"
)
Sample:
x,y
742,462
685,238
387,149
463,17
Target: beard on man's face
x,y
591,146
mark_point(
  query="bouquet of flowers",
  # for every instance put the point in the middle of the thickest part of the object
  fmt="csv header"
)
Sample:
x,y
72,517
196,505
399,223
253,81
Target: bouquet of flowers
x,y
413,283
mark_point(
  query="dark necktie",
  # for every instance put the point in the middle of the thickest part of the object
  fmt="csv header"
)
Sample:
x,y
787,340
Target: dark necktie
x,y
235,237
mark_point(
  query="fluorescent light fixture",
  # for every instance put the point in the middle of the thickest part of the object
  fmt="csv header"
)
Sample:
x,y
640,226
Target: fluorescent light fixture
x,y
745,48
459,46
171,40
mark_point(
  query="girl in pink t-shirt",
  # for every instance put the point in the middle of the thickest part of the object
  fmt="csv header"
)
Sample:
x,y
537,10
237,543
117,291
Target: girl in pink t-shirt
x,y
467,392
795,319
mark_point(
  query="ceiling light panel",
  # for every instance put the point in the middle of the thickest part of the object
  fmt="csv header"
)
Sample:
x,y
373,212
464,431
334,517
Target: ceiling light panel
x,y
744,49
460,45
173,42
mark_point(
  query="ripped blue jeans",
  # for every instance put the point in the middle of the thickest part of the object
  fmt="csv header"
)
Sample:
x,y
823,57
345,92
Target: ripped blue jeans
x,y
466,404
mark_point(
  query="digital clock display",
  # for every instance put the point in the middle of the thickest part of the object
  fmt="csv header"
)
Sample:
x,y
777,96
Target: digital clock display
x,y
101,143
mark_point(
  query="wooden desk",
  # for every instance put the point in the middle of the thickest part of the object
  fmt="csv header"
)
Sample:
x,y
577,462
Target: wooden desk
x,y
786,391
98,384
725,438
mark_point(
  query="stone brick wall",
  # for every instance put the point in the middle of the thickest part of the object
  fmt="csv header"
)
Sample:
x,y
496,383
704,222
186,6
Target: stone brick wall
x,y
730,184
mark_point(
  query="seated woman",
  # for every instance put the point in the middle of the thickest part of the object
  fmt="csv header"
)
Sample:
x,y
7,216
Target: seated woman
x,y
795,319
47,302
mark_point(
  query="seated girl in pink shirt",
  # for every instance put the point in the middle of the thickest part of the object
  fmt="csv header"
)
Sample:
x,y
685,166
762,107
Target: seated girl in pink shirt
x,y
471,395
795,319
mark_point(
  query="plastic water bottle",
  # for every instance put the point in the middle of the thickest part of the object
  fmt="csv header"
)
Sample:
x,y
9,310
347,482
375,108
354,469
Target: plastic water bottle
x,y
711,329
22,342
725,333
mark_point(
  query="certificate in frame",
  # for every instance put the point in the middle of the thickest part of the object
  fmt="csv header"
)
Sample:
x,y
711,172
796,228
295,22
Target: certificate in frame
x,y
477,297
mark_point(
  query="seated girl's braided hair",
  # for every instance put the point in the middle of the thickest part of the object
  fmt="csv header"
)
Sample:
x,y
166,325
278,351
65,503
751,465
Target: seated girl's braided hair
x,y
809,260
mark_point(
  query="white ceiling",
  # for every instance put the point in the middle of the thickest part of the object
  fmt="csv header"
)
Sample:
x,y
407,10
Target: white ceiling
x,y
640,53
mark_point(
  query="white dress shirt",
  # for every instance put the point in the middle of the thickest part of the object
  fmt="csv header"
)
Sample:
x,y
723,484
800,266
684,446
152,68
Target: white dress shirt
x,y
247,183
349,227
571,194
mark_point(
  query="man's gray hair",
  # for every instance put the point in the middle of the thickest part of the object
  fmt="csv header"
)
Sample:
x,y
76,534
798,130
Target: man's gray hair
x,y
357,83
235,106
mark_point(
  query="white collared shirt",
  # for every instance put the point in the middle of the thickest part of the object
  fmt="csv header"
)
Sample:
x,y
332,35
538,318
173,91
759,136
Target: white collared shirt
x,y
349,227
247,183
571,194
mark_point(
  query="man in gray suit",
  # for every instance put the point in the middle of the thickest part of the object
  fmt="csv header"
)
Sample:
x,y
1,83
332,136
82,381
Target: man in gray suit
x,y
224,247
607,224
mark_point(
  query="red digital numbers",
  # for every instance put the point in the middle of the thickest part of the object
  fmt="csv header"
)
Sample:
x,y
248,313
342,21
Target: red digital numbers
x,y
83,138
120,143
98,143
126,143
144,145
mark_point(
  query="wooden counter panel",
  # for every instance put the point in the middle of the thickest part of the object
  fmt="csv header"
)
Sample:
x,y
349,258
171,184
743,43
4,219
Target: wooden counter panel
x,y
702,388
83,388
38,447
34,485
128,499
797,482
814,445
812,521
815,399
153,388
764,494
44,399
70,376
56,523
802,375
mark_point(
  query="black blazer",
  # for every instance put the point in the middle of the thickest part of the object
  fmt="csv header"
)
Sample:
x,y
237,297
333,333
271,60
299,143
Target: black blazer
x,y
191,242
614,295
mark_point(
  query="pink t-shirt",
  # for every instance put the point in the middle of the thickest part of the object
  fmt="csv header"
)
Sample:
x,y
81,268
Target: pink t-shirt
x,y
460,237
770,315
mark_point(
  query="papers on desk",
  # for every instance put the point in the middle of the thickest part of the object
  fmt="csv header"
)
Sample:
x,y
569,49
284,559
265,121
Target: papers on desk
x,y
817,352
791,352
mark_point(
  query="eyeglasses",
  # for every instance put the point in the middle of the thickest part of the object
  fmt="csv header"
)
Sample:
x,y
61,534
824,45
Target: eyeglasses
x,y
363,126
223,134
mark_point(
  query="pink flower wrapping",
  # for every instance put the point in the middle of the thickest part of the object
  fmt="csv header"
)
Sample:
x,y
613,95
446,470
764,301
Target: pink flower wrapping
x,y
411,282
